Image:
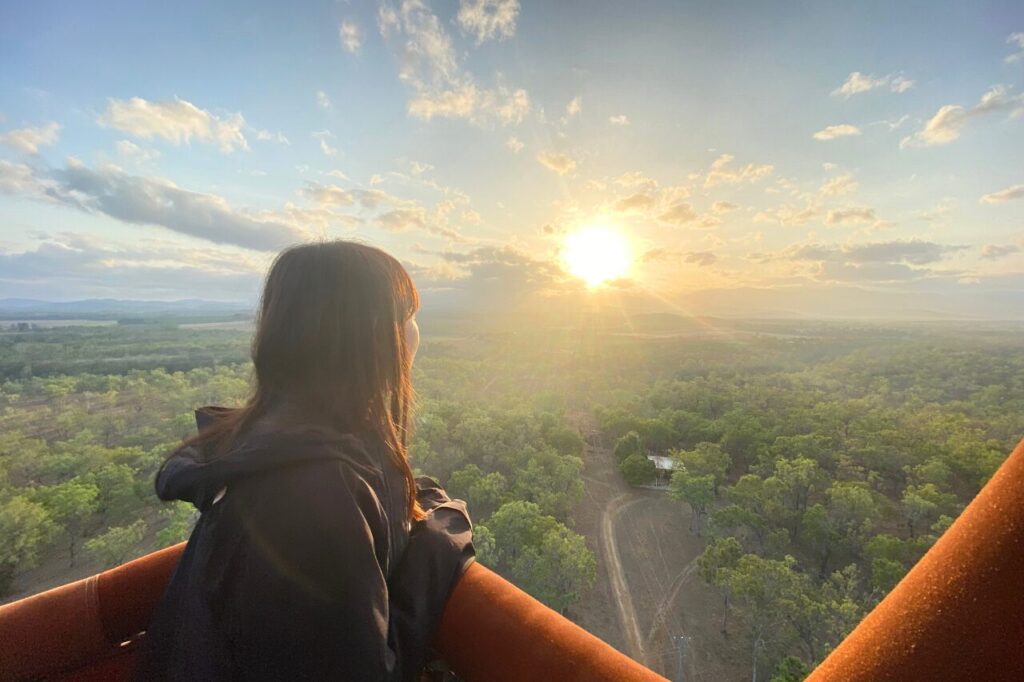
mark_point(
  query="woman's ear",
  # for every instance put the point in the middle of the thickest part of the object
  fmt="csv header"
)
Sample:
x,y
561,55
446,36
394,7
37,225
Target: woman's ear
x,y
412,337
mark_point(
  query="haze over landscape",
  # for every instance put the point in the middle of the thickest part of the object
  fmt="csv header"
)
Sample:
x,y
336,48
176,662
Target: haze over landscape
x,y
761,158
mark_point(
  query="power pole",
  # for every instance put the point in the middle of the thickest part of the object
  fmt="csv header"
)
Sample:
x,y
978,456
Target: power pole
x,y
680,642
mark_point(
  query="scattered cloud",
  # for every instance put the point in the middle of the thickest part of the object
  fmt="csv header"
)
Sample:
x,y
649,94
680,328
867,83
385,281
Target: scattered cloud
x,y
177,121
488,19
679,214
429,65
514,144
1016,39
1004,195
858,82
129,151
415,218
325,146
722,171
996,251
620,120
29,140
323,100
328,194
832,132
636,202
574,107
351,36
950,120
838,186
699,258
898,260
842,216
723,207
560,163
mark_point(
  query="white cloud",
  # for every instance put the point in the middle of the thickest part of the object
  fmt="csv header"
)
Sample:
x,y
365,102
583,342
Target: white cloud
x,y
574,107
132,152
858,82
328,194
429,65
620,120
1018,40
323,100
1004,195
267,135
176,121
560,163
838,186
678,214
488,19
325,146
722,171
856,214
514,144
950,120
723,207
29,140
997,251
635,202
350,35
832,132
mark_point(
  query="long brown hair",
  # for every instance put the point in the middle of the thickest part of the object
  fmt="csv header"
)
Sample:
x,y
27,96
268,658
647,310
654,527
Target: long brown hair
x,y
330,344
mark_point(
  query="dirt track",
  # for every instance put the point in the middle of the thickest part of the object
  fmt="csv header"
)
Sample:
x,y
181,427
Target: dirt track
x,y
647,587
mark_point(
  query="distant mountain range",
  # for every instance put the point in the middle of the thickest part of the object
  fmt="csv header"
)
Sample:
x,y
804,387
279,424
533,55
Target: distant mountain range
x,y
28,308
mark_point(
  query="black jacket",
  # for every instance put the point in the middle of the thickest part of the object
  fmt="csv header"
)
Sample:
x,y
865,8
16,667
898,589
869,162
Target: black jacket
x,y
304,569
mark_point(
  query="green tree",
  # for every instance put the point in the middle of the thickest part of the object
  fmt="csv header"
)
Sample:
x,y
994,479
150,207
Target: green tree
x,y
637,469
697,491
115,545
719,556
705,459
71,504
25,526
628,445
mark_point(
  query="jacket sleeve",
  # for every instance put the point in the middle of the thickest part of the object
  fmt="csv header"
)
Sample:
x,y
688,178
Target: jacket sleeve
x,y
318,604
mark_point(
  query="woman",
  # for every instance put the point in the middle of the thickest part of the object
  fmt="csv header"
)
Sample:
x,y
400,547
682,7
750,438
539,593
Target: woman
x,y
318,555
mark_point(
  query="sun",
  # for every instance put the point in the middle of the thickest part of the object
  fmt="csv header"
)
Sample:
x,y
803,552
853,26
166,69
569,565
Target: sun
x,y
596,254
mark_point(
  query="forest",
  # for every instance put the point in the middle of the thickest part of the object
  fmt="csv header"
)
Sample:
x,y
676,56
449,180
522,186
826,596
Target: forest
x,y
815,461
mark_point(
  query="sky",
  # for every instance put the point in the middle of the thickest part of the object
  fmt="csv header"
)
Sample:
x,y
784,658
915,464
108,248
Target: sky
x,y
759,151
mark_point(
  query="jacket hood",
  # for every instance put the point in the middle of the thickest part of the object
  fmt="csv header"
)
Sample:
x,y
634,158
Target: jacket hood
x,y
188,476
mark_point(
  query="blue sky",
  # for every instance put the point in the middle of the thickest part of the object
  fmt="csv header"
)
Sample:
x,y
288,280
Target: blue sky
x,y
168,150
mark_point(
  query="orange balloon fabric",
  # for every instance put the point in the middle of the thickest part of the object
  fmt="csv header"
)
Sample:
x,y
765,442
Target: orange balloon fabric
x,y
959,613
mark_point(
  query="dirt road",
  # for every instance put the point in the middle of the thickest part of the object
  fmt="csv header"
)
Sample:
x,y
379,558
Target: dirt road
x,y
647,588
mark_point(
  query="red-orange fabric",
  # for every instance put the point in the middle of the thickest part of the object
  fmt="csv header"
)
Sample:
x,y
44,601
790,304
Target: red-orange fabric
x,y
959,613
492,630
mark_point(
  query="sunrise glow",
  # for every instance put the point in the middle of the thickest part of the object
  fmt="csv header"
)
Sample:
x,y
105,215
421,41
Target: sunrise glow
x,y
596,254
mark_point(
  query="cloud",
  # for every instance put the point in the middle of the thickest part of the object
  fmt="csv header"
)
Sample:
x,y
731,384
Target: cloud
x,y
636,179
132,152
325,146
679,214
17,178
842,216
351,37
635,202
869,262
328,194
514,144
1004,195
832,132
29,140
488,19
323,100
267,135
699,258
620,120
950,120
75,266
787,215
838,186
406,219
429,65
721,171
176,121
996,251
1018,40
723,207
858,82
574,107
560,163
154,201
